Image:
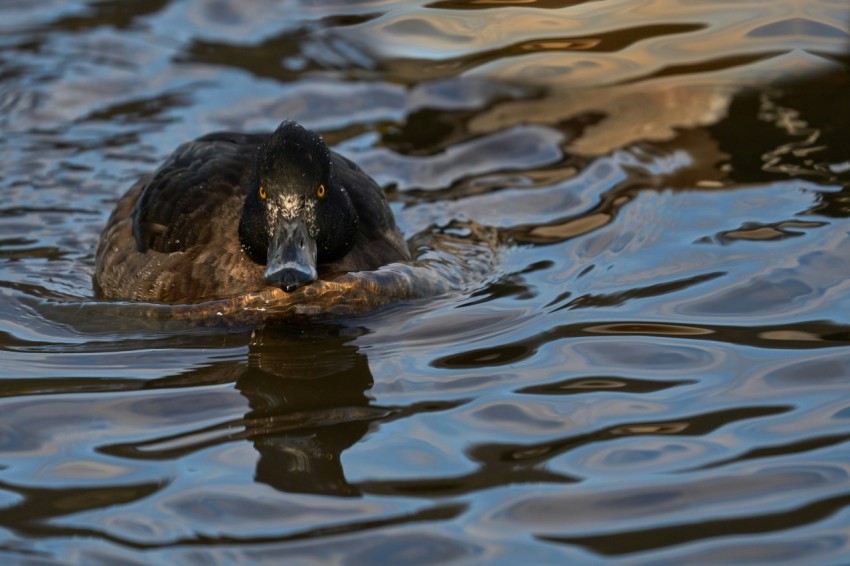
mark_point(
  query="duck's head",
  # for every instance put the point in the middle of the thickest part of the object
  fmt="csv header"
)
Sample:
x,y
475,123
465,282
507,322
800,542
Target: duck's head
x,y
296,216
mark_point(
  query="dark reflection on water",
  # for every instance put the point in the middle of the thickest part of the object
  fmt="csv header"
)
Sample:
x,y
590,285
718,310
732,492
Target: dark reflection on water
x,y
632,218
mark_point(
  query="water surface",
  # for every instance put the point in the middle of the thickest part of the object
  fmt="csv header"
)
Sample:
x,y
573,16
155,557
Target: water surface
x,y
652,368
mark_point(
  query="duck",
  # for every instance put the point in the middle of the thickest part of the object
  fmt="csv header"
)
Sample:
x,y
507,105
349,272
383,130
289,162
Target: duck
x,y
234,213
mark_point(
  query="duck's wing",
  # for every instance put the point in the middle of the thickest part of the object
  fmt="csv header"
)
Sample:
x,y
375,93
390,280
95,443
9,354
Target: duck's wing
x,y
369,200
198,184
378,241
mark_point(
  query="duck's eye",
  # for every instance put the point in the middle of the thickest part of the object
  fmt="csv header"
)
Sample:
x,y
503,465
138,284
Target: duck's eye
x,y
320,191
262,192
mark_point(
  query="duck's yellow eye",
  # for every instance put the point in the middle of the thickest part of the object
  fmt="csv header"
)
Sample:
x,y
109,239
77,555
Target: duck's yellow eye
x,y
262,192
320,192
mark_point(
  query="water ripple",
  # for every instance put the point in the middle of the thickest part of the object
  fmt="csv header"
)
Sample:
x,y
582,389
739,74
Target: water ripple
x,y
624,339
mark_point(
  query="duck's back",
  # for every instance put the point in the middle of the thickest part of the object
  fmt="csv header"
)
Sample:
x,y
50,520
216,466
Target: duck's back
x,y
178,207
174,236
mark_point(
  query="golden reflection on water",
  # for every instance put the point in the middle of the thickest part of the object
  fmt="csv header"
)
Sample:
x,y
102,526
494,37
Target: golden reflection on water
x,y
649,328
651,68
570,228
615,41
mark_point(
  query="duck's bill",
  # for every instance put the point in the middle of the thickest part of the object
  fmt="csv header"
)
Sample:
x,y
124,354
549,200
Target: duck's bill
x,y
291,257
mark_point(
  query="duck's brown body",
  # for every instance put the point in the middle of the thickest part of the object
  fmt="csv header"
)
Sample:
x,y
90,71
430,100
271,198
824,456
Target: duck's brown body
x,y
174,237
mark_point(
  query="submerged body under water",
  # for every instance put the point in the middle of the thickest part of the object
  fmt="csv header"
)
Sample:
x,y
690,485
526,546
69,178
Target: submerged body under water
x,y
622,337
451,260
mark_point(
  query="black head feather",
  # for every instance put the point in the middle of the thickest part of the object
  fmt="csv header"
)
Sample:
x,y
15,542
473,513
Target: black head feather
x,y
294,176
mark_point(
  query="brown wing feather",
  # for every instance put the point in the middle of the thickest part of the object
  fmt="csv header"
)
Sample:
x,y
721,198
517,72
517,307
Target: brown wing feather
x,y
175,207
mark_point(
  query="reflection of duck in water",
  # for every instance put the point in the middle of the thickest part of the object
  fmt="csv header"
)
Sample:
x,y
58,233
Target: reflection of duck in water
x,y
307,393
308,404
230,214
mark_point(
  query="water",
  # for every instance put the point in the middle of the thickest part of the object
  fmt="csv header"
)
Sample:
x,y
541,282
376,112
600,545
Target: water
x,y
654,369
